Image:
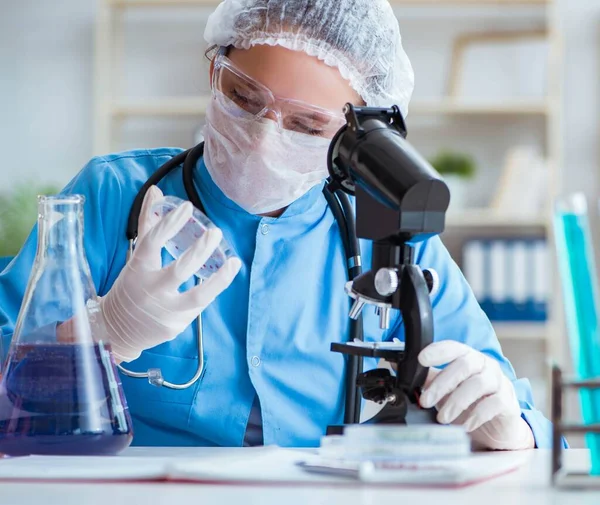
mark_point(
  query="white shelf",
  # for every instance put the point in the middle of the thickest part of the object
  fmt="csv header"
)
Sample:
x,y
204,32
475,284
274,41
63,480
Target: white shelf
x,y
162,3
480,218
455,107
168,106
521,331
196,106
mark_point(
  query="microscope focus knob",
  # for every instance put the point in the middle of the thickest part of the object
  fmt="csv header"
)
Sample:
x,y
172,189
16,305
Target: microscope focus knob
x,y
386,281
433,281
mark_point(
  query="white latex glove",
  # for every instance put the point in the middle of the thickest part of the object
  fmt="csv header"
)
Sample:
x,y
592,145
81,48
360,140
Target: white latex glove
x,y
472,391
144,307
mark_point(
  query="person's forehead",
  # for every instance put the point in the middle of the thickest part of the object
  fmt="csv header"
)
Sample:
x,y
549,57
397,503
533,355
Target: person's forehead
x,y
295,75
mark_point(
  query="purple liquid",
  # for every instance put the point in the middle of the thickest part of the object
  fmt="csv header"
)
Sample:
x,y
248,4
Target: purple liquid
x,y
62,399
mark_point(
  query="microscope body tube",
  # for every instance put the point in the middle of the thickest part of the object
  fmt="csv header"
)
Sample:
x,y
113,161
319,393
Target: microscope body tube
x,y
399,196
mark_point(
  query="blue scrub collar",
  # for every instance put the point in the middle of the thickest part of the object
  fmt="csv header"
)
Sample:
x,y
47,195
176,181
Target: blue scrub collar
x,y
313,200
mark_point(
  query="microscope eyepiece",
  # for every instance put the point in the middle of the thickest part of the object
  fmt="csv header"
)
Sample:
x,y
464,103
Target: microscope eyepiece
x,y
398,192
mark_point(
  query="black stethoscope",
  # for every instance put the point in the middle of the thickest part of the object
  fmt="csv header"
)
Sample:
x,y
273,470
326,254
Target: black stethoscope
x,y
343,213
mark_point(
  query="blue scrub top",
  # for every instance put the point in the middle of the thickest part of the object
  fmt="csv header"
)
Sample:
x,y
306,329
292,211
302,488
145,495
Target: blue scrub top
x,y
267,337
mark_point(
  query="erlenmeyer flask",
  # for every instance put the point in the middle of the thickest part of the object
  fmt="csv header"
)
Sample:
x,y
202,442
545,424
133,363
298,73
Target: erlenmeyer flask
x,y
60,392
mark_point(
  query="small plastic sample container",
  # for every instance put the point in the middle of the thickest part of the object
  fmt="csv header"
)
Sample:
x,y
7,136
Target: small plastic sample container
x,y
404,434
190,233
395,443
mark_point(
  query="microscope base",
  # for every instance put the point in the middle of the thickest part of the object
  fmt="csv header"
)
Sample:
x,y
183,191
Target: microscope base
x,y
411,416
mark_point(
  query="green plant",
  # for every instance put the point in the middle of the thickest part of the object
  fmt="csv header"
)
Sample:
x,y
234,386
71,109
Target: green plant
x,y
454,163
18,214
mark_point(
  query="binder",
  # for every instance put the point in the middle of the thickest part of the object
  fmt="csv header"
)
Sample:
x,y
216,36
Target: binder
x,y
509,277
498,275
541,274
474,269
521,285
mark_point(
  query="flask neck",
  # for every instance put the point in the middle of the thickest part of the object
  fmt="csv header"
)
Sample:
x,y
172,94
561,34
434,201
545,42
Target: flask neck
x,y
60,228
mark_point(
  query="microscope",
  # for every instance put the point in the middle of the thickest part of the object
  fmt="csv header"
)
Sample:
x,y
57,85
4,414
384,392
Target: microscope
x,y
400,201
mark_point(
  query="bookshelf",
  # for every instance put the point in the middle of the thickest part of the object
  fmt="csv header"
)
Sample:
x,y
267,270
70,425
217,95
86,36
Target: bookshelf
x,y
109,45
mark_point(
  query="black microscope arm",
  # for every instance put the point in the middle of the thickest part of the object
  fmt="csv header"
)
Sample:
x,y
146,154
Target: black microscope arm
x,y
416,310
400,391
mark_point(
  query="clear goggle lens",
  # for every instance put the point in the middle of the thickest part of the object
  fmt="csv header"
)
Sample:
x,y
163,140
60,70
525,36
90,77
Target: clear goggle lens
x,y
257,100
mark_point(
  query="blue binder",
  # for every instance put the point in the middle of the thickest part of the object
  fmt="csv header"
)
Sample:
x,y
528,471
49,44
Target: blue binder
x,y
511,275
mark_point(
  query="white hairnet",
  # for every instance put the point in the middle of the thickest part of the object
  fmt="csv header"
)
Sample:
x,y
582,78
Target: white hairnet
x,y
359,37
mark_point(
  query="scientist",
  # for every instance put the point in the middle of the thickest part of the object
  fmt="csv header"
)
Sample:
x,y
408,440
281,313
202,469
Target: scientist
x,y
280,76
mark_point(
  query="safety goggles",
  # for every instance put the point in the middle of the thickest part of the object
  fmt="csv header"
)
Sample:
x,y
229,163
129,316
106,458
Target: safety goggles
x,y
257,100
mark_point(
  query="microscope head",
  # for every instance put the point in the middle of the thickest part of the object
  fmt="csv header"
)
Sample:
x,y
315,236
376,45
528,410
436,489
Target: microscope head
x,y
399,195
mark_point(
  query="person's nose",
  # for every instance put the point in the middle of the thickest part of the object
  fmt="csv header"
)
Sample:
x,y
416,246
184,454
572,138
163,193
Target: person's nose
x,y
274,116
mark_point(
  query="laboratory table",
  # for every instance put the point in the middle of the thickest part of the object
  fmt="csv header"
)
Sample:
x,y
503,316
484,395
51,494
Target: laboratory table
x,y
530,485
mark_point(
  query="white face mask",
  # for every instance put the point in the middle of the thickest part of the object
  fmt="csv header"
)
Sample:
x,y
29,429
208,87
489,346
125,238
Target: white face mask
x,y
257,166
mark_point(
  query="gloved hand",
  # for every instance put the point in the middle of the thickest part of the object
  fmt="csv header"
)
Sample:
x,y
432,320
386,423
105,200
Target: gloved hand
x,y
472,391
144,307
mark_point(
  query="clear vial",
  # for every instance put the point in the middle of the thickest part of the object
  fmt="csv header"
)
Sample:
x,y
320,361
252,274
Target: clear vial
x,y
197,225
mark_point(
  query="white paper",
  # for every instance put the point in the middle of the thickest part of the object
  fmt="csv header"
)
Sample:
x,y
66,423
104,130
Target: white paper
x,y
261,465
82,468
289,466
251,464
465,471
